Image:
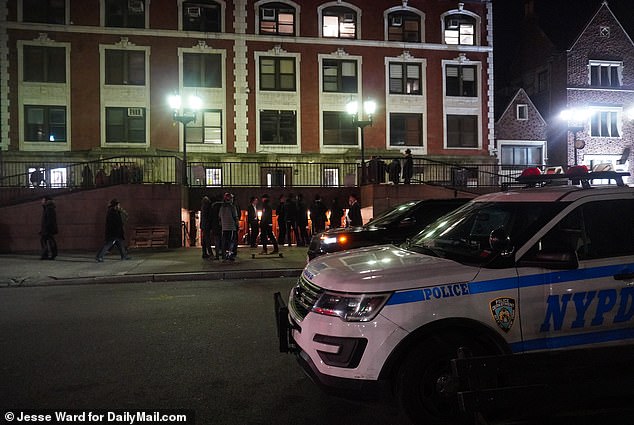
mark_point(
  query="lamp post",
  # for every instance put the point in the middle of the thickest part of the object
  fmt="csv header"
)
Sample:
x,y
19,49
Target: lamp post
x,y
369,107
184,116
575,119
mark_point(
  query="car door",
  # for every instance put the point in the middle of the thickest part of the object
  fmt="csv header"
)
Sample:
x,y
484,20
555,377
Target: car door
x,y
577,280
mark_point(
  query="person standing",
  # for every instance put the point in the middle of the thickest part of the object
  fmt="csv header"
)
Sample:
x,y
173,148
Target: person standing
x,y
354,212
266,226
290,215
318,215
281,219
254,224
394,170
228,222
205,227
336,213
216,228
48,229
302,221
114,232
408,167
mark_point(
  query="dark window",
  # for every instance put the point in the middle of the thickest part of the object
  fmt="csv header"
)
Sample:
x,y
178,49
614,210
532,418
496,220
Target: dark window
x,y
207,129
339,22
542,81
403,26
405,78
462,131
278,128
604,124
277,19
125,125
44,11
338,129
521,155
460,29
406,130
277,74
605,75
44,123
461,80
339,75
202,70
125,67
202,15
44,64
125,13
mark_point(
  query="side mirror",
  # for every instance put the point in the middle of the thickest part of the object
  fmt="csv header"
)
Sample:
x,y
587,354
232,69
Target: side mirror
x,y
500,241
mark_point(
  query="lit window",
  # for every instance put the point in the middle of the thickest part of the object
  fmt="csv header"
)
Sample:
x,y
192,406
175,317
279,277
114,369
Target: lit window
x,y
202,70
338,129
44,123
403,26
202,15
277,19
277,74
405,78
460,29
339,76
406,130
605,124
125,67
206,129
125,125
43,64
461,80
339,22
278,128
125,13
213,176
331,177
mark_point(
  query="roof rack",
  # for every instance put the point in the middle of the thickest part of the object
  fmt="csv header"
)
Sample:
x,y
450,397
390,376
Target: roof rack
x,y
584,178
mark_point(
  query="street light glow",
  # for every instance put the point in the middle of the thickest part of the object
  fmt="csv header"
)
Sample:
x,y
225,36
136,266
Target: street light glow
x,y
352,107
369,106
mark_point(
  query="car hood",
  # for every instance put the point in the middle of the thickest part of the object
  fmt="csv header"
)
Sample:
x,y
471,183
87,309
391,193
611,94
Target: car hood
x,y
348,230
384,268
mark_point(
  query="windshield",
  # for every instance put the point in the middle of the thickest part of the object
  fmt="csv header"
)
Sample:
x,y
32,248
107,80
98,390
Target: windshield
x,y
463,235
388,217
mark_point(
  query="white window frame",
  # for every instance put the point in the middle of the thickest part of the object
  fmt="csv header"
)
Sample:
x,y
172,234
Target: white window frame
x,y
521,112
476,29
357,23
609,64
618,111
289,3
386,25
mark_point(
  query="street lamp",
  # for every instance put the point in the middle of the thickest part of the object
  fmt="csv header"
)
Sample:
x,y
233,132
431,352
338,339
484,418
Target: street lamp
x,y
575,119
369,107
184,116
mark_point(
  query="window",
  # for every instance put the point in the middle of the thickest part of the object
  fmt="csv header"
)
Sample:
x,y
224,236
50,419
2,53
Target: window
x,y
277,19
462,131
542,81
460,29
125,13
406,130
403,26
339,75
44,123
278,128
202,15
521,155
44,11
44,64
331,177
277,74
604,124
405,78
213,176
338,129
461,80
605,74
125,67
521,113
339,22
125,125
206,129
202,70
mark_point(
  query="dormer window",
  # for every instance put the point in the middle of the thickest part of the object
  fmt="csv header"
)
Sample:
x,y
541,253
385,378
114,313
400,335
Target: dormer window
x,y
277,19
339,22
605,73
44,11
405,26
202,15
460,29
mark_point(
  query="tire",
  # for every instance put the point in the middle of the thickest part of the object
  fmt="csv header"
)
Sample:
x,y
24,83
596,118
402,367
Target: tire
x,y
425,387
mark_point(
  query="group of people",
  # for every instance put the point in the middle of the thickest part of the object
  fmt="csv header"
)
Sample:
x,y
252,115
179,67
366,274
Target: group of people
x,y
220,222
395,169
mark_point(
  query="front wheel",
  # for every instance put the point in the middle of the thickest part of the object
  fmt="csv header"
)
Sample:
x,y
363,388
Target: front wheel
x,y
425,386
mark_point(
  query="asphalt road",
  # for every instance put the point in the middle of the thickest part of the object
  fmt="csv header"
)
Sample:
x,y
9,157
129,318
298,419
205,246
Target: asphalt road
x,y
206,346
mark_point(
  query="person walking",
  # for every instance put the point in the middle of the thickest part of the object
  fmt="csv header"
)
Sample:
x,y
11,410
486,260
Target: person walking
x,y
48,229
336,213
408,167
114,232
253,223
318,215
266,226
281,219
205,227
354,212
302,221
228,222
394,170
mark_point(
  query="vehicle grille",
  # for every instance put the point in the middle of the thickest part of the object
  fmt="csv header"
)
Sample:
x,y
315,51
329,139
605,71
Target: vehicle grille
x,y
304,297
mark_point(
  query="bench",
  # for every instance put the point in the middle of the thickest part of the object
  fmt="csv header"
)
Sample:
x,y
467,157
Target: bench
x,y
151,237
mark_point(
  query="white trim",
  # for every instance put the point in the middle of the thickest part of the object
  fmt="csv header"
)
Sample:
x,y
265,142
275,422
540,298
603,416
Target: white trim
x,y
404,8
258,4
223,8
600,63
351,6
539,143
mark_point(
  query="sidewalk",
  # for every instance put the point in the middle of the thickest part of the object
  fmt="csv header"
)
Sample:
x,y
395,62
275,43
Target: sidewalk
x,y
146,265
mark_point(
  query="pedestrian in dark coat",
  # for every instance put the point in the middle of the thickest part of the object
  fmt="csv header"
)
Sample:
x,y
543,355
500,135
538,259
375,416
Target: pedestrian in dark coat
x,y
302,221
114,232
408,167
394,170
205,227
281,220
229,223
354,212
266,226
318,215
48,229
336,214
290,214
253,222
216,229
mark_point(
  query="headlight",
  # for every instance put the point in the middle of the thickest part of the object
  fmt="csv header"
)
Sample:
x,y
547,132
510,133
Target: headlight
x,y
329,240
350,307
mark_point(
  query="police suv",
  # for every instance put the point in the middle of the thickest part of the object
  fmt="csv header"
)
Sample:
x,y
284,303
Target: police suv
x,y
544,267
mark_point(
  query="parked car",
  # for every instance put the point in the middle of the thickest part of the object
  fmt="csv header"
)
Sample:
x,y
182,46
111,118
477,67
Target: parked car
x,y
394,226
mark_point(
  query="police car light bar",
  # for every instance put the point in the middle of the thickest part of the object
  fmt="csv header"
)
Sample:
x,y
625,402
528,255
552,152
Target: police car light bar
x,y
576,174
